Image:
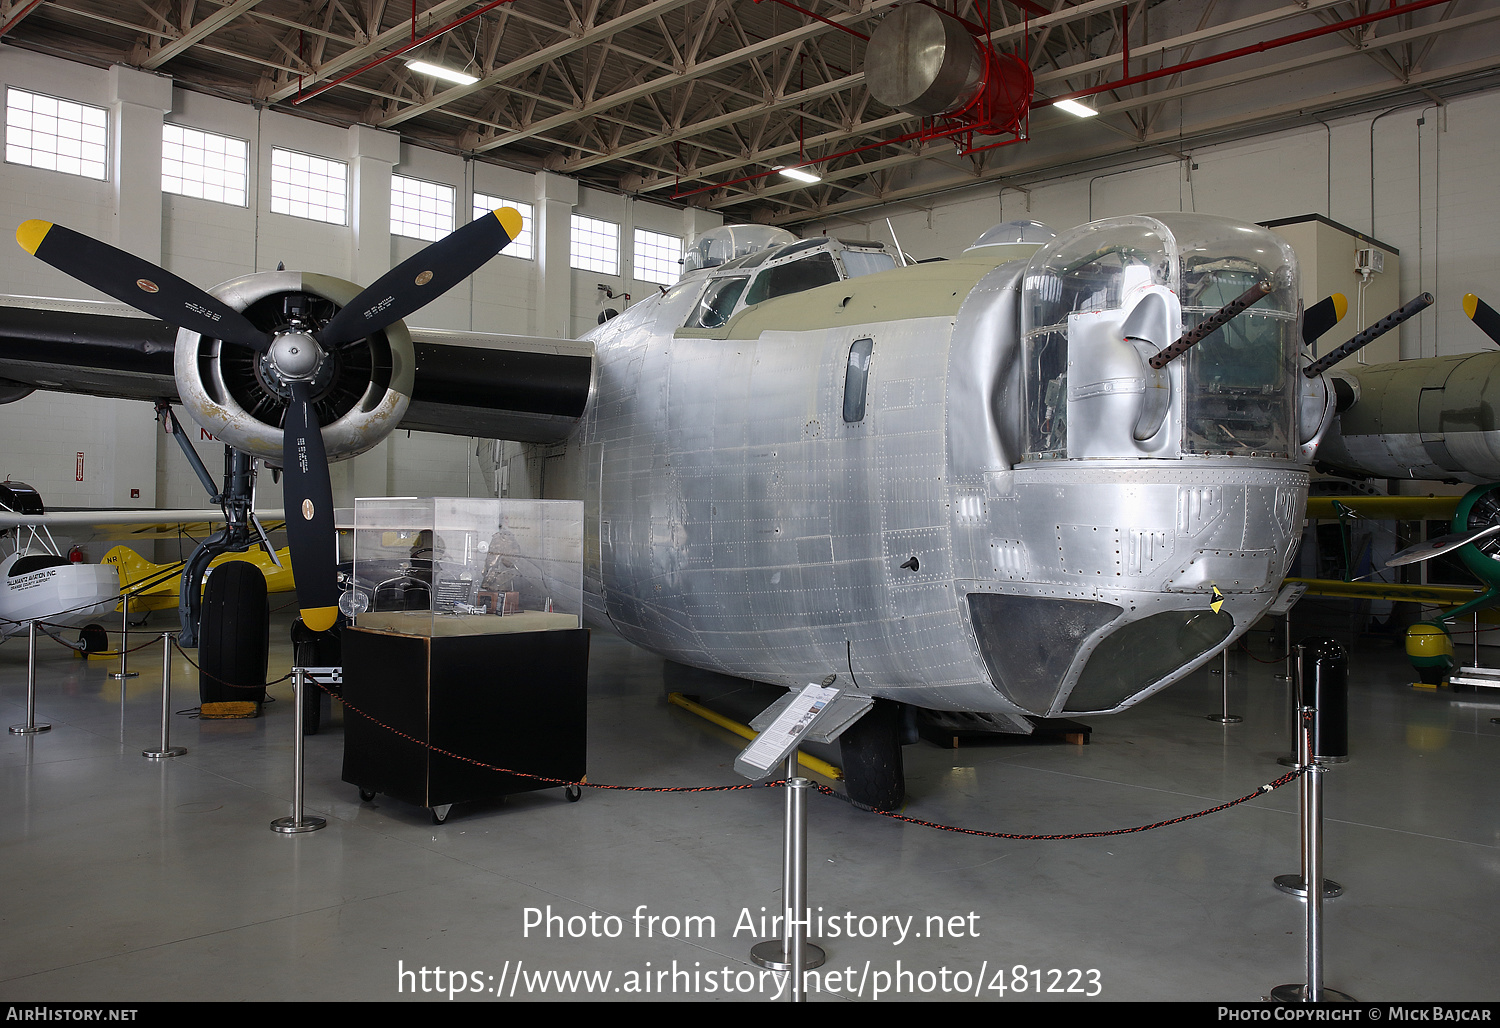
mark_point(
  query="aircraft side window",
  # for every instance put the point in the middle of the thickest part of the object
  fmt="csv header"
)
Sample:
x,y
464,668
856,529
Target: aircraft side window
x,y
863,262
857,379
813,270
717,303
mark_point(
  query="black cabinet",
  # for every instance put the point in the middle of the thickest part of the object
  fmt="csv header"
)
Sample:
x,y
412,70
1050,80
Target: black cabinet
x,y
428,717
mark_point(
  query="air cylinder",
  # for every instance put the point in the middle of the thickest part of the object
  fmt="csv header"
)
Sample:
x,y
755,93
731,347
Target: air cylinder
x,y
927,62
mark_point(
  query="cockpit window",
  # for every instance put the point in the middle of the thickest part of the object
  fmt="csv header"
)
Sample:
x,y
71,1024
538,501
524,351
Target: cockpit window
x,y
781,271
864,262
783,279
718,302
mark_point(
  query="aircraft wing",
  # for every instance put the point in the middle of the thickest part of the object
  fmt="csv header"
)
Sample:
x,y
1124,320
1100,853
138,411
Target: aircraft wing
x,y
1434,595
1384,508
498,386
139,522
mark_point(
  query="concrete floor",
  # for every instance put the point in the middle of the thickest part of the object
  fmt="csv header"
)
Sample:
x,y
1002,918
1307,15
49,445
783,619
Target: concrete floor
x,y
133,880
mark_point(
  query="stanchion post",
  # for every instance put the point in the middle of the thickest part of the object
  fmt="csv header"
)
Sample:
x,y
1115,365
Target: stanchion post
x,y
30,727
1307,699
1287,677
297,823
1313,990
796,914
781,954
123,674
1224,717
166,749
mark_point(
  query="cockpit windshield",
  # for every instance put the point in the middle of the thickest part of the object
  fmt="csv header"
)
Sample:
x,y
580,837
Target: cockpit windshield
x,y
783,270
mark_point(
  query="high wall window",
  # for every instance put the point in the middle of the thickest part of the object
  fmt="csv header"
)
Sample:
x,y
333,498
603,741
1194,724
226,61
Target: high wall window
x,y
595,246
519,246
307,186
657,257
58,135
204,165
422,210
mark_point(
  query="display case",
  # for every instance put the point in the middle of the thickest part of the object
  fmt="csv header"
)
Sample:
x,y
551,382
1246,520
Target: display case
x,y
450,566
466,666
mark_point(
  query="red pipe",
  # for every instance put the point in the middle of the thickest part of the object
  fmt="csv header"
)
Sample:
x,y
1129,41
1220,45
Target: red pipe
x,y
1253,48
398,52
18,16
927,134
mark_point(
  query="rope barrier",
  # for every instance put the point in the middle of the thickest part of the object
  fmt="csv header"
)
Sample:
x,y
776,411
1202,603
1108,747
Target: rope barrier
x,y
1285,779
1291,776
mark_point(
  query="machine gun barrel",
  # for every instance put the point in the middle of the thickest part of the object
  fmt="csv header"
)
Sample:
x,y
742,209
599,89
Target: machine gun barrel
x,y
1195,335
1369,335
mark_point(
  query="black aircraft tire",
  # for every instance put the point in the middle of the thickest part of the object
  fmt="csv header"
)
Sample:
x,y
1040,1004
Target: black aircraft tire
x,y
874,773
93,638
234,635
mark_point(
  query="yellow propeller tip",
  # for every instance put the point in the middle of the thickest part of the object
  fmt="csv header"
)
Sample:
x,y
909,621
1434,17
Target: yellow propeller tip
x,y
320,619
31,233
510,220
1340,305
1471,304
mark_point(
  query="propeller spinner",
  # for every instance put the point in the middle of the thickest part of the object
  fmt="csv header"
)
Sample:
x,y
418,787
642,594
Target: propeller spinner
x,y
295,355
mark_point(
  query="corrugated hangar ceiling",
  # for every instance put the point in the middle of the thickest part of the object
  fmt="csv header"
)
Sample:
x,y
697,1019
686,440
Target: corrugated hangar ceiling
x,y
697,101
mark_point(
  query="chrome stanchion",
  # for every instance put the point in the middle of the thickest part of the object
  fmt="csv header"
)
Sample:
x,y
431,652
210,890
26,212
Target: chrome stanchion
x,y
124,638
1287,677
297,822
1224,717
166,749
1296,885
30,727
787,953
1313,990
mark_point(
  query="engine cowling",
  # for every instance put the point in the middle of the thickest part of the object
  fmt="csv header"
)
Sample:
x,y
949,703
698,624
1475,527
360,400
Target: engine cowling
x,y
360,391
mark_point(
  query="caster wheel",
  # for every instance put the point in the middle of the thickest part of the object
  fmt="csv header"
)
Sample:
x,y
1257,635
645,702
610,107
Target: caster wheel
x,y
574,793
367,794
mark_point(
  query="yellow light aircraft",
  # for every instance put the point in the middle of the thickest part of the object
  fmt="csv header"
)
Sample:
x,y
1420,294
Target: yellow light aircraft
x,y
155,586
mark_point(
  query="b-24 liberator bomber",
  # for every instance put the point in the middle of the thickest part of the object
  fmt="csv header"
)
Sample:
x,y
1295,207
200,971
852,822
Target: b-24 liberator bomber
x,y
999,487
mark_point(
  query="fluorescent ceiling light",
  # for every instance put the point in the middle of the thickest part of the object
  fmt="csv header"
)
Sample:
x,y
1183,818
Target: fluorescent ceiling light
x,y
437,71
800,174
1075,108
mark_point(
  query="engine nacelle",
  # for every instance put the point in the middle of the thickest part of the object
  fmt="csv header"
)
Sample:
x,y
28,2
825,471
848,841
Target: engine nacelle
x,y
360,391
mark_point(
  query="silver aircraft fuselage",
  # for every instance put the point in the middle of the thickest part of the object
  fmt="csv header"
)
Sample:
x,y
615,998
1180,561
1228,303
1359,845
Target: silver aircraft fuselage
x,y
881,477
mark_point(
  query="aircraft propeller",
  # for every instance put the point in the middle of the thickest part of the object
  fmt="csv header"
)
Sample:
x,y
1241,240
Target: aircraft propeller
x,y
1319,319
294,352
1483,315
1441,545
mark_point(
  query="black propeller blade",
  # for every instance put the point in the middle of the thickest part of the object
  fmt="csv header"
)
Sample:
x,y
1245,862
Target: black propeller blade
x,y
423,277
309,512
1320,318
1483,315
138,282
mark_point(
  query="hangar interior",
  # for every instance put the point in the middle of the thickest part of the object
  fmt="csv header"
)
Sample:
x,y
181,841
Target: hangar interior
x,y
140,880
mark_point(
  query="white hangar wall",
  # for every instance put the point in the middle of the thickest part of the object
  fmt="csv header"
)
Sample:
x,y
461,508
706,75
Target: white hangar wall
x,y
1421,178
207,242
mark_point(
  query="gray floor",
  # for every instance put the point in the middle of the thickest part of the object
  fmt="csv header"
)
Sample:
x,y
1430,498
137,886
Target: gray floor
x,y
132,880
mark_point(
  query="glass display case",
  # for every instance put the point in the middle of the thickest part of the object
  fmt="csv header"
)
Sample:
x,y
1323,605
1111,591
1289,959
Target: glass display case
x,y
452,566
466,668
